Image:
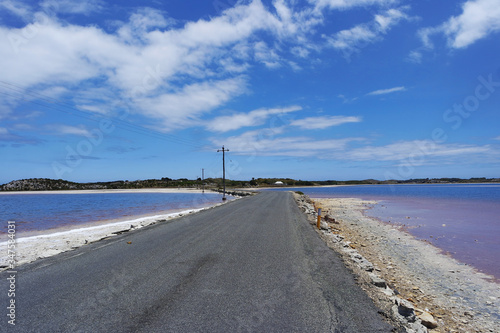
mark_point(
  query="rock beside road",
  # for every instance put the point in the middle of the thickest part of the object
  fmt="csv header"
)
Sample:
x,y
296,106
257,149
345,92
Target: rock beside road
x,y
428,320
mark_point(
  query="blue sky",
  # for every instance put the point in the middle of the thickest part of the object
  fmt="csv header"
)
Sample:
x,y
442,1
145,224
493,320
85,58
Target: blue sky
x,y
307,89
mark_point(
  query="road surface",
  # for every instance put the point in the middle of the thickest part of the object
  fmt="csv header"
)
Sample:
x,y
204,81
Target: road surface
x,y
252,265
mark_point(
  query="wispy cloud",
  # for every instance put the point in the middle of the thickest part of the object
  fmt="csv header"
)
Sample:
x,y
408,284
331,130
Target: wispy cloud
x,y
267,56
353,39
324,122
122,149
415,56
69,130
72,7
184,107
422,150
269,143
386,91
252,118
419,152
16,140
349,39
16,8
172,75
347,100
479,19
346,4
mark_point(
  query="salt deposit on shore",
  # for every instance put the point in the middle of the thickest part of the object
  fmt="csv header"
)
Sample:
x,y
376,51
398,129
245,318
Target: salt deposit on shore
x,y
459,298
53,241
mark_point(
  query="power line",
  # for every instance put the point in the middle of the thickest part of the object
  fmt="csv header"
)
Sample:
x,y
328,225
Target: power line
x,y
71,110
117,122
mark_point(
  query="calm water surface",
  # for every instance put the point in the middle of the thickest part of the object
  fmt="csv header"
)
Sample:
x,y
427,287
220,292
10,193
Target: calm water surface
x,y
46,211
461,219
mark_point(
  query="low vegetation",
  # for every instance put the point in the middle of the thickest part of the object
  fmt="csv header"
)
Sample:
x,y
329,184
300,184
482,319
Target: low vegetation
x,y
45,184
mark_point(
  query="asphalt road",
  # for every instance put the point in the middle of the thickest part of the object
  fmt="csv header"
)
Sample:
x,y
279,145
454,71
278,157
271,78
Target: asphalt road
x,y
252,265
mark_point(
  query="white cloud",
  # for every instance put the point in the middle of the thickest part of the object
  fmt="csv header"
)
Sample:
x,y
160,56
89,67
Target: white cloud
x,y
86,7
3,131
271,142
386,91
92,108
141,22
347,100
16,8
266,143
300,52
352,39
266,55
497,138
424,35
90,54
69,130
479,19
183,107
165,74
294,66
324,122
252,118
286,24
235,24
418,150
346,4
349,39
390,18
174,75
415,57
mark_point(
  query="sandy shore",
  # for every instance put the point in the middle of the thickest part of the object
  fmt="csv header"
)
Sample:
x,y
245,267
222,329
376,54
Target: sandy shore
x,y
40,244
460,298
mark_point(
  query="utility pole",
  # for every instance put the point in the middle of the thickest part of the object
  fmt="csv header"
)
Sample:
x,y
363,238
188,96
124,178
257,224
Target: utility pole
x,y
223,150
203,180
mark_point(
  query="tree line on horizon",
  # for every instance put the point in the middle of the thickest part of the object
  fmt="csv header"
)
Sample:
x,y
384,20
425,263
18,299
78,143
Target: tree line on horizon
x,y
45,184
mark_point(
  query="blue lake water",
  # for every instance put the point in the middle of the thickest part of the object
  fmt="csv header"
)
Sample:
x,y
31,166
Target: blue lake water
x,y
34,212
463,220
489,192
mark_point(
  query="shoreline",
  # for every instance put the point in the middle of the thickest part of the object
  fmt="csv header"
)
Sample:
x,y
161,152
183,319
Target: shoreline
x,y
457,295
407,230
33,245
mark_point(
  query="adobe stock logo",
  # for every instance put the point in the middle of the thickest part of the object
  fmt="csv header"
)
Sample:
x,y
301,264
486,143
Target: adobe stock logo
x,y
83,149
455,116
460,111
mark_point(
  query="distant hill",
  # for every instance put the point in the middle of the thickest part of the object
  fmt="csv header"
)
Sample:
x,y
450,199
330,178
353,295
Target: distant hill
x,y
39,184
44,184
